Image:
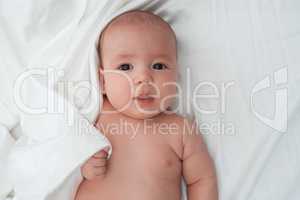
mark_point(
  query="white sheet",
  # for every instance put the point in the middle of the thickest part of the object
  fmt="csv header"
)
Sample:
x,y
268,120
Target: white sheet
x,y
233,44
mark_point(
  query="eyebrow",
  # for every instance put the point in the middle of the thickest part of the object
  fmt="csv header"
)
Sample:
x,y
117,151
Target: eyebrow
x,y
125,56
162,55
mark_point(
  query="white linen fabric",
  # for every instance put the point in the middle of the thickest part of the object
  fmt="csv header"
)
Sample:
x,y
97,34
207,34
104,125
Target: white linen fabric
x,y
239,76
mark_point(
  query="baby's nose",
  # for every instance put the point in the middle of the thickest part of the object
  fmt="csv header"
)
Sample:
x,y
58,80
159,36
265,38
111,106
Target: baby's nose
x,y
143,77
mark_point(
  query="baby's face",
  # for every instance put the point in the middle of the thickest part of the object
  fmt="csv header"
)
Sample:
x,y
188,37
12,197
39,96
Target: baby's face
x,y
139,67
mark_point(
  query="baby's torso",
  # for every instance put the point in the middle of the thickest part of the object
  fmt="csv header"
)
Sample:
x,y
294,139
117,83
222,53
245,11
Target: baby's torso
x,y
145,163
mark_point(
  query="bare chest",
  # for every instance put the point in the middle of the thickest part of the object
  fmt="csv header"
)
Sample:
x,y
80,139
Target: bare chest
x,y
142,148
145,163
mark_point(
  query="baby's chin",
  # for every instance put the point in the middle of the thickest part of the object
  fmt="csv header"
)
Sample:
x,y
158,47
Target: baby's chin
x,y
141,114
144,110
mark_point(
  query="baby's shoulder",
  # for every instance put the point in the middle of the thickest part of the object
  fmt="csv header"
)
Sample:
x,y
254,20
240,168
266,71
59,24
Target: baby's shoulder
x,y
179,128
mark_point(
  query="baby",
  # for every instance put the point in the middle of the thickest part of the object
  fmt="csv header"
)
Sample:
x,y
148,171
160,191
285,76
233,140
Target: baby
x,y
153,148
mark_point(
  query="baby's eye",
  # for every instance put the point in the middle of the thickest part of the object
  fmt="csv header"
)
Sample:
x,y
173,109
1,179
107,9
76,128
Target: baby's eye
x,y
125,67
159,66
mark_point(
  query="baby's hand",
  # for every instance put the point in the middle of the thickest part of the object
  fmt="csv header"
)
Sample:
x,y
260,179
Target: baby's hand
x,y
95,166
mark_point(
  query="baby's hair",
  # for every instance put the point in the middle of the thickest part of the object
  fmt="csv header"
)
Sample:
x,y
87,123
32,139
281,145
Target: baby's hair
x,y
135,17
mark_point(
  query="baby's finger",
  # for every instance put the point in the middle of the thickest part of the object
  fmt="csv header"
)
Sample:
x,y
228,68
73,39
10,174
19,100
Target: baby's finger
x,y
97,162
101,154
88,172
99,171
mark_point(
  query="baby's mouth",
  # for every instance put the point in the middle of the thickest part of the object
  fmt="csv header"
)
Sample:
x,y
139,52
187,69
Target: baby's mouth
x,y
144,99
144,96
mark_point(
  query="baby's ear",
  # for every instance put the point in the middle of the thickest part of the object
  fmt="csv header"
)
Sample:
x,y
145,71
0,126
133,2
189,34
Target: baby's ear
x,y
101,77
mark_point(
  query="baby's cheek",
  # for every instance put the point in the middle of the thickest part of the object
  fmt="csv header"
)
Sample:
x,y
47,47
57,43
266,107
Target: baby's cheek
x,y
118,83
168,95
118,90
124,87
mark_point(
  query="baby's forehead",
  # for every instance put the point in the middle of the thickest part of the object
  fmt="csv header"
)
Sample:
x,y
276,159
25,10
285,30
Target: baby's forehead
x,y
137,18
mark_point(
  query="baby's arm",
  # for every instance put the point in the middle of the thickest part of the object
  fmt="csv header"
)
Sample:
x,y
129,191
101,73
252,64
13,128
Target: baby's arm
x,y
198,167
